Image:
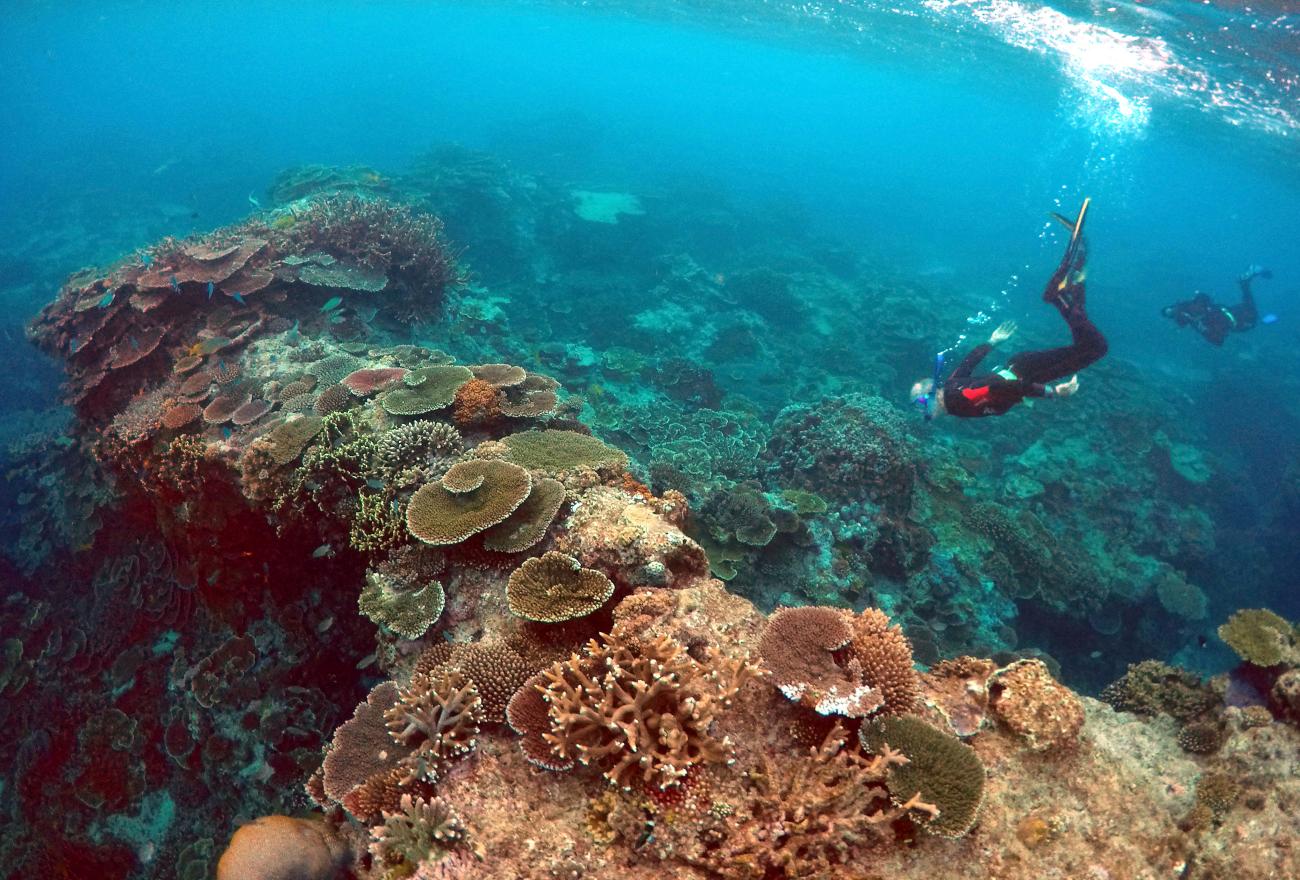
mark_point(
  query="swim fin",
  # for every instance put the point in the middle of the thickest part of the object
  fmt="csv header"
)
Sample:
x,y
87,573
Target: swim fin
x,y
1076,225
1071,271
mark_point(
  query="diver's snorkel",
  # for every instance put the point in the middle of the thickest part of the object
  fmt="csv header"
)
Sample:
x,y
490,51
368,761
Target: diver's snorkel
x,y
928,402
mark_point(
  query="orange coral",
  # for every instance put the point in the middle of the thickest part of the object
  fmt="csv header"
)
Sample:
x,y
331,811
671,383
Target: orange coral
x,y
281,847
478,402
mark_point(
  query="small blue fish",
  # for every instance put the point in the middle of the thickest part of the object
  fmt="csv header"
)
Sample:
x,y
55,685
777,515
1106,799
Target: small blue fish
x,y
74,344
332,304
135,343
106,300
147,259
211,287
176,287
254,202
226,432
375,484
239,298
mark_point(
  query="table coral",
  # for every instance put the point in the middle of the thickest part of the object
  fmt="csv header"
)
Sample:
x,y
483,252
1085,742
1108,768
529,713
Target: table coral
x,y
472,496
1261,637
553,588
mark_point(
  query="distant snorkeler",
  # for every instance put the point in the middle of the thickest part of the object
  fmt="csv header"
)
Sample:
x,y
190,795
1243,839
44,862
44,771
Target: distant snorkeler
x,y
1214,321
1027,373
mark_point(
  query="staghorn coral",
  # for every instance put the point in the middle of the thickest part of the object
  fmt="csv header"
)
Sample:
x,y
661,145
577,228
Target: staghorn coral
x,y
1261,637
940,770
496,669
839,663
556,451
472,496
642,712
1036,706
436,718
528,525
283,848
425,390
811,815
553,588
419,831
406,611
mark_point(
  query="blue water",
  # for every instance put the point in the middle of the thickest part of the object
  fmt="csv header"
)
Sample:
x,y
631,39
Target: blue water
x,y
920,145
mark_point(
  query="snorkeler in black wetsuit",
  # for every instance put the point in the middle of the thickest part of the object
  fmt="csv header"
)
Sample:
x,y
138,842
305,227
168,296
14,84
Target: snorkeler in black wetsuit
x,y
1214,321
1027,373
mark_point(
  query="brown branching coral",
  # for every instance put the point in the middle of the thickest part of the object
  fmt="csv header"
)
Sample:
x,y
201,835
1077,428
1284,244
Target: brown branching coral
x,y
812,816
436,718
838,663
418,831
642,712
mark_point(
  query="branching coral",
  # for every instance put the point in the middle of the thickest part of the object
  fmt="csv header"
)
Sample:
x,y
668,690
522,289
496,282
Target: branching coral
x,y
436,718
476,403
642,712
417,832
417,452
1152,687
812,816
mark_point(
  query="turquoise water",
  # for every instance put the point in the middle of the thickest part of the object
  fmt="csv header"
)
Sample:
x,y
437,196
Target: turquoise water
x,y
893,166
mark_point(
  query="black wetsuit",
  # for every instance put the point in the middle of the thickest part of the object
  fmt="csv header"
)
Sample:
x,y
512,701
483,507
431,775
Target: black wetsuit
x,y
1027,373
1214,321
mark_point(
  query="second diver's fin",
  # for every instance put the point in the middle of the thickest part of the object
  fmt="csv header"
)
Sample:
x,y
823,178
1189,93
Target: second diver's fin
x,y
1076,225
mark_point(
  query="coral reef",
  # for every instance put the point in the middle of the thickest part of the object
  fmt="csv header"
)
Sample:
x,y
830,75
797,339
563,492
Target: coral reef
x,y
279,498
